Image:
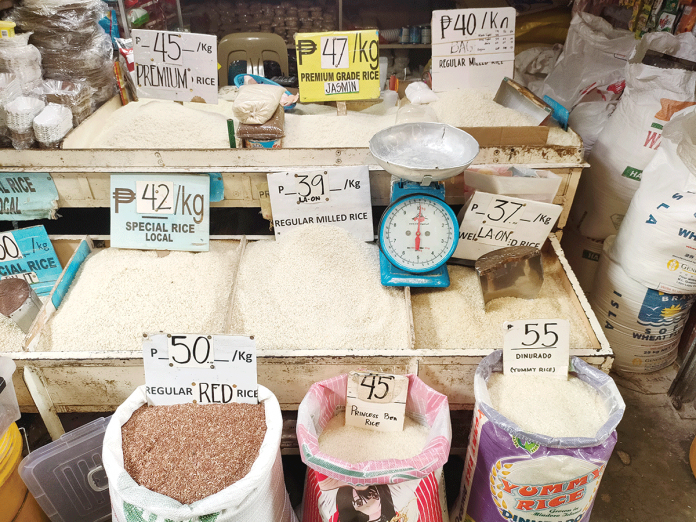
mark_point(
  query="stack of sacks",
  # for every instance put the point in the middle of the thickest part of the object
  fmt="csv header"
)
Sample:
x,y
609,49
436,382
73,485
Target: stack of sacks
x,y
646,278
633,133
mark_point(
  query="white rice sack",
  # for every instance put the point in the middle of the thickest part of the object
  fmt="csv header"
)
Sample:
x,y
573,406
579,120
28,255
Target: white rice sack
x,y
256,103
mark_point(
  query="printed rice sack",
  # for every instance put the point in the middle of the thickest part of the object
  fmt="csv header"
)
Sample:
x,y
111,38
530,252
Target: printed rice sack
x,y
643,326
405,490
633,134
656,245
513,475
260,496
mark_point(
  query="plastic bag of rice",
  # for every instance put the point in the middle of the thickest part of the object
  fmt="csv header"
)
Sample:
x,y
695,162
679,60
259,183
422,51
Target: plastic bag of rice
x,y
357,474
176,454
538,446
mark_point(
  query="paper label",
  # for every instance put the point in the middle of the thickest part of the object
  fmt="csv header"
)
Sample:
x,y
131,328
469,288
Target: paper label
x,y
376,401
537,347
160,212
338,196
175,66
202,369
473,48
27,253
338,66
27,196
492,221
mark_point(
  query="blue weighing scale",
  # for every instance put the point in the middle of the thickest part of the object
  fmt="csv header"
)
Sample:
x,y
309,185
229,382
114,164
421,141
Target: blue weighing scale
x,y
418,233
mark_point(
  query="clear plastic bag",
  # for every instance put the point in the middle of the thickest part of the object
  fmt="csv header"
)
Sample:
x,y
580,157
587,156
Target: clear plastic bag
x,y
51,15
19,57
257,103
414,113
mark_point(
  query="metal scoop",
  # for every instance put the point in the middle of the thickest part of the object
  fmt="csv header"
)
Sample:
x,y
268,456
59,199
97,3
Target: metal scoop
x,y
510,272
514,96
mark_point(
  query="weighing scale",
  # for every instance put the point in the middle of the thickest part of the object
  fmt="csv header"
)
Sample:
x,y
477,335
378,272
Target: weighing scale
x,y
418,231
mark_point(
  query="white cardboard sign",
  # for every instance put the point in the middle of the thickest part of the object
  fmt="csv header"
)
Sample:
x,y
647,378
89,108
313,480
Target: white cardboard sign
x,y
199,368
175,66
493,221
473,48
338,196
537,347
376,401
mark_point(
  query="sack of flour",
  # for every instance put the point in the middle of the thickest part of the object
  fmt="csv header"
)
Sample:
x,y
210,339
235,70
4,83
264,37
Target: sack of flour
x,y
656,245
259,496
591,66
512,474
392,490
633,134
643,326
256,103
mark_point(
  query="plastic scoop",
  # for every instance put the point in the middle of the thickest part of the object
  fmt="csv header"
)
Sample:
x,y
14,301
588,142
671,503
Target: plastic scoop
x,y
510,272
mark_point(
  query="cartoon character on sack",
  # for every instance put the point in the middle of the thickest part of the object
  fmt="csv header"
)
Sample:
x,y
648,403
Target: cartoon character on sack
x,y
377,503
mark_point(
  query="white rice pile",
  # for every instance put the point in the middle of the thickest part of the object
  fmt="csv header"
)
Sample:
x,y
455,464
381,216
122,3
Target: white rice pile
x,y
454,317
354,445
318,287
165,125
160,124
552,407
476,108
120,294
11,335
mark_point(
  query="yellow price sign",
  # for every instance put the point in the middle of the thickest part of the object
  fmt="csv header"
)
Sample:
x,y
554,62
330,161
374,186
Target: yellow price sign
x,y
338,66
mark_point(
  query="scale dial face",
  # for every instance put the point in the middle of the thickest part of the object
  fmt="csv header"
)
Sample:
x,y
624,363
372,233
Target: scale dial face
x,y
418,233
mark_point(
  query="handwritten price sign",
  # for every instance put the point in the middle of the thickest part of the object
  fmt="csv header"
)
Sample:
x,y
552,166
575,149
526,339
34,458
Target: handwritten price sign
x,y
493,221
199,368
175,66
473,48
338,66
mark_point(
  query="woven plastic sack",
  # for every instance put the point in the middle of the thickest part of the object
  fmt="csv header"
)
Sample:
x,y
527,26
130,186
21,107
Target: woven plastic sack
x,y
643,326
633,134
511,474
256,104
588,119
657,240
258,497
592,63
412,489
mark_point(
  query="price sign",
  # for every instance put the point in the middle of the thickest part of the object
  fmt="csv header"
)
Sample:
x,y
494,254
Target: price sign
x,y
160,212
493,221
27,196
338,196
202,369
338,66
28,254
175,66
376,401
537,347
473,48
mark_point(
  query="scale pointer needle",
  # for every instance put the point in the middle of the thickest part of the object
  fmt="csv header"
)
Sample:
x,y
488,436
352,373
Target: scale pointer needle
x,y
419,219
